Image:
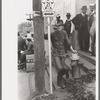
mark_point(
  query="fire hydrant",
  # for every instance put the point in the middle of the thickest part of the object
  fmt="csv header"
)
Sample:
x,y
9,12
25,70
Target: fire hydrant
x,y
75,65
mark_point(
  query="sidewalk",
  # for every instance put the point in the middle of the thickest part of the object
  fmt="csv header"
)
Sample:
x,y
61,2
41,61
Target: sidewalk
x,y
26,81
26,84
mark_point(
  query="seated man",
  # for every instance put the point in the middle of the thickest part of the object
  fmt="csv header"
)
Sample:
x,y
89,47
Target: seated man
x,y
59,40
30,50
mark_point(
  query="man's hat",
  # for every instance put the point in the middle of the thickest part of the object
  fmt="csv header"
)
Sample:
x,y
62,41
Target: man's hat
x,y
91,5
58,15
84,8
68,14
55,26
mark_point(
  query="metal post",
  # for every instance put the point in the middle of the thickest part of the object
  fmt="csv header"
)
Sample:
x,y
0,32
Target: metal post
x,y
50,62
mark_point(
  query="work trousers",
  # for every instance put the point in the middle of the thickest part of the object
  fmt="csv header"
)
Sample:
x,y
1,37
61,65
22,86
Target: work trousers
x,y
62,69
60,62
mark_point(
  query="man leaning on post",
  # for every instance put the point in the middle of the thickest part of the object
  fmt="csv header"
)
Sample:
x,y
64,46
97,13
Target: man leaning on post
x,y
59,40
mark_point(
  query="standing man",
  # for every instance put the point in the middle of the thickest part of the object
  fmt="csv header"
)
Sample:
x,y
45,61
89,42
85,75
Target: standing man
x,y
58,21
59,39
92,27
81,25
91,15
68,27
29,50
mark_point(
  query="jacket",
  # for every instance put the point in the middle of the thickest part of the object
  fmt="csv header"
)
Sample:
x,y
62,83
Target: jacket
x,y
60,41
80,22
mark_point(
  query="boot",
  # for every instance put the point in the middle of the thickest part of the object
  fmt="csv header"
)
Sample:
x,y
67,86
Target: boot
x,y
60,80
93,50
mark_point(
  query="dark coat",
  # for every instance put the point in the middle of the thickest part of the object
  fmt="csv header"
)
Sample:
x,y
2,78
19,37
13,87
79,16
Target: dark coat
x,y
21,44
82,26
60,41
67,27
80,22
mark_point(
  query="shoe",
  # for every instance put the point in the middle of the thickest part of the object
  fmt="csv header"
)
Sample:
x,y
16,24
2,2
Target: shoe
x,y
62,85
60,80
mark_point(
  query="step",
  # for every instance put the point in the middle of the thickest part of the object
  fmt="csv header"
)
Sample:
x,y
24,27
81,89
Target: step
x,y
87,69
87,64
88,57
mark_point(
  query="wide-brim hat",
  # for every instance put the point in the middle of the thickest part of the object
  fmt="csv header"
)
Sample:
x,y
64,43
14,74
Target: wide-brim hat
x,y
68,14
55,26
84,8
74,57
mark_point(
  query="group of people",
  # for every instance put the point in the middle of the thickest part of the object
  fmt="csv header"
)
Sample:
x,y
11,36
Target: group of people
x,y
60,38
84,25
25,46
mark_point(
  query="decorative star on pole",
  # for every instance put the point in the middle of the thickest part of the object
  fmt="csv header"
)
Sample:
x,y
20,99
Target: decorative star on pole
x,y
48,5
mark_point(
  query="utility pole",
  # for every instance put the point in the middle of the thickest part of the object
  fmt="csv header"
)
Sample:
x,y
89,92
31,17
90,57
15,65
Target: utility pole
x,y
39,48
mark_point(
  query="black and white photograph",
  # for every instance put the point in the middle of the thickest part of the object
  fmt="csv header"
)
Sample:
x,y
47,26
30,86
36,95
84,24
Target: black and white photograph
x,y
56,50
